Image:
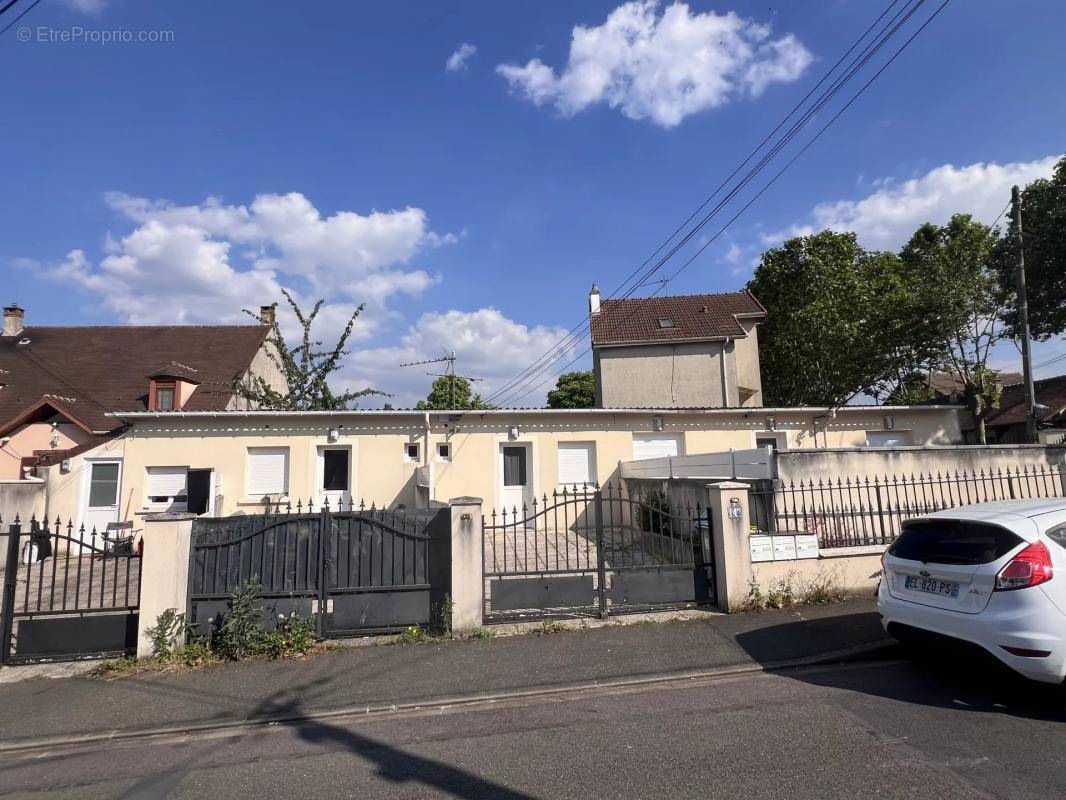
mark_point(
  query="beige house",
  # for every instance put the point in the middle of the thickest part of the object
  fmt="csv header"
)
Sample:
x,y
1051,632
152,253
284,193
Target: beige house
x,y
60,387
687,351
223,463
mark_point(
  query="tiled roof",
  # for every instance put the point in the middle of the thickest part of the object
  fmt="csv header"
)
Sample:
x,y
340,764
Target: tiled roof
x,y
1050,392
694,316
948,383
94,370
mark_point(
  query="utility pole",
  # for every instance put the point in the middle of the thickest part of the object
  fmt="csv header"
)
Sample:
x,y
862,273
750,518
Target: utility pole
x,y
1023,320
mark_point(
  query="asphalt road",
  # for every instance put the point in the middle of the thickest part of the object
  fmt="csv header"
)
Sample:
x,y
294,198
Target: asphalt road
x,y
873,729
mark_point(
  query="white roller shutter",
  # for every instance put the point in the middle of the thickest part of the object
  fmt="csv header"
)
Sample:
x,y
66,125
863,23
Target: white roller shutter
x,y
655,445
576,463
166,482
268,471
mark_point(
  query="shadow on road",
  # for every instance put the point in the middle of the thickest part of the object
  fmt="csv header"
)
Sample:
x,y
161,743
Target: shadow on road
x,y
963,678
285,708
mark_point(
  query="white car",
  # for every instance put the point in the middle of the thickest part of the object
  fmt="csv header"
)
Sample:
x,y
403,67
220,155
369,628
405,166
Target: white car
x,y
991,574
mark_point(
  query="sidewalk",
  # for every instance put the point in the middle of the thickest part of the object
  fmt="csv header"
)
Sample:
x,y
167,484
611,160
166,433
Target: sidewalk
x,y
420,673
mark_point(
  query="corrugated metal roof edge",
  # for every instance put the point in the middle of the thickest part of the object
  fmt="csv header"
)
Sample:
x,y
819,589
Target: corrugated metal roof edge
x,y
548,411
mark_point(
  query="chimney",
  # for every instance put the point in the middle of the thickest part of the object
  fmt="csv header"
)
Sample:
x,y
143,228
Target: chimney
x,y
13,318
266,314
594,300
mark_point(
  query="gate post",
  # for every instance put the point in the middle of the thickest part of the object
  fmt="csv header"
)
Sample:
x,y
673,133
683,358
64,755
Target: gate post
x,y
11,575
467,573
164,572
727,507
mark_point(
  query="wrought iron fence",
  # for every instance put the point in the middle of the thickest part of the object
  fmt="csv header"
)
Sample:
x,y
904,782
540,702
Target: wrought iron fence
x,y
865,510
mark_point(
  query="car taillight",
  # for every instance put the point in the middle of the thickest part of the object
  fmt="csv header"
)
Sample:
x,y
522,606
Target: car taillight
x,y
1030,567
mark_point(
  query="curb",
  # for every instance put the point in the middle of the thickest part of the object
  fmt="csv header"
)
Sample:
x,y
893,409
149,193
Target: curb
x,y
365,711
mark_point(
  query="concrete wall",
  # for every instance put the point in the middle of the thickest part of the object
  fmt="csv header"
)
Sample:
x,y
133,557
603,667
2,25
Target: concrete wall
x,y
664,375
264,367
854,570
843,462
746,364
382,475
21,498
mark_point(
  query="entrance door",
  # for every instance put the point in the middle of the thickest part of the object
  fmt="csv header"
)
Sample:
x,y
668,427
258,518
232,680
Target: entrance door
x,y
335,476
101,496
516,477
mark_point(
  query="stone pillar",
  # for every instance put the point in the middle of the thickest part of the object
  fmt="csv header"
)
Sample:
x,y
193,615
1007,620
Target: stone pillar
x,y
164,571
732,553
468,579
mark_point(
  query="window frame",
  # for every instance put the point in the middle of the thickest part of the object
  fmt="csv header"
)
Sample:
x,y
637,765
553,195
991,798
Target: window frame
x,y
444,457
262,450
417,457
163,387
172,503
590,448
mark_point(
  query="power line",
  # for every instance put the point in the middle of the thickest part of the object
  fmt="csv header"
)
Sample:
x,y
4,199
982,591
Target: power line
x,y
25,11
525,391
577,331
868,52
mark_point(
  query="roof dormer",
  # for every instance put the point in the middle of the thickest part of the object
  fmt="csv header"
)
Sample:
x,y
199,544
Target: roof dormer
x,y
171,386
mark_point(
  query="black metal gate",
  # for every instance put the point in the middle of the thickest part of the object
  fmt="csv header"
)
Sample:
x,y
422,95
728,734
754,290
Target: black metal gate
x,y
355,572
595,552
68,594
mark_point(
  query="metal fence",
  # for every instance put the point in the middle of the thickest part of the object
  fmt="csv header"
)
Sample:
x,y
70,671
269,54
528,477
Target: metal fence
x,y
865,510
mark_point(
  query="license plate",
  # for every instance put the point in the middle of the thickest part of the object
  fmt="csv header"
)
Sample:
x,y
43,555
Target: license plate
x,y
932,586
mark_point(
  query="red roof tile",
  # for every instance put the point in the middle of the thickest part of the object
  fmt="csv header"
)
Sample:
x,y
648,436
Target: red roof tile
x,y
694,316
1050,392
94,370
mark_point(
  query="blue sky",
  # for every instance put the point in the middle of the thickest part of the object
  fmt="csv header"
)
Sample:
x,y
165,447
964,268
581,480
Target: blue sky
x,y
329,149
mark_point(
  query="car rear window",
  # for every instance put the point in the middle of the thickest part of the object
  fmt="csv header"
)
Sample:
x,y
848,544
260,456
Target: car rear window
x,y
946,541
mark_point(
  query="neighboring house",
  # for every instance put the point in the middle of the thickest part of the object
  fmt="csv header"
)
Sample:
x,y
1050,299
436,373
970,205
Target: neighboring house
x,y
689,351
948,387
59,385
1007,425
508,457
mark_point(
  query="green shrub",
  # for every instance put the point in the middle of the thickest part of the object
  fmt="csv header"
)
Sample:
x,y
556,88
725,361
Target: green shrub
x,y
293,636
241,634
548,627
655,512
168,633
196,653
482,633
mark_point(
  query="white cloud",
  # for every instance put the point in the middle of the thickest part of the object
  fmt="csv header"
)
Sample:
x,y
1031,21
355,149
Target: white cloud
x,y
457,60
487,345
203,263
661,67
886,218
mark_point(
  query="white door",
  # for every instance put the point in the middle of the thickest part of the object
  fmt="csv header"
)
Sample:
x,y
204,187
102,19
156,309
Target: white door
x,y
516,476
335,476
655,445
103,480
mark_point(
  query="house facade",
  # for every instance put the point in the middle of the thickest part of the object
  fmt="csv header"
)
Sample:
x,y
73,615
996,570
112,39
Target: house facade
x,y
61,386
690,351
224,463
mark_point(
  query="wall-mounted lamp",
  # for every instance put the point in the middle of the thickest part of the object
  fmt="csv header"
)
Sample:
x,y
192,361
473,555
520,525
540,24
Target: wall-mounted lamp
x,y
657,423
890,422
771,423
512,432
332,435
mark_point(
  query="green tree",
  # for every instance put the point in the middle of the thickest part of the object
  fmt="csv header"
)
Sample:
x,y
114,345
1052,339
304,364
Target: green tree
x,y
573,390
958,300
1044,235
306,368
837,324
440,395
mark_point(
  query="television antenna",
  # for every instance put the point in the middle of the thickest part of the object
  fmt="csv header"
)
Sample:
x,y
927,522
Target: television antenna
x,y
449,371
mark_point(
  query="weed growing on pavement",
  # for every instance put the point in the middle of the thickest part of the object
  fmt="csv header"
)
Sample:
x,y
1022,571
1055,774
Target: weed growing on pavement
x,y
412,634
548,627
481,633
117,667
241,634
824,587
168,633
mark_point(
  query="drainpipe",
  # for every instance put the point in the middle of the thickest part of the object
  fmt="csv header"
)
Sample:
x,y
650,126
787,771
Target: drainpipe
x,y
425,461
725,375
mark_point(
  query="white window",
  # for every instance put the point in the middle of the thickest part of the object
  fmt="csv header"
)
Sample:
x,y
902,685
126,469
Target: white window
x,y
268,471
444,451
655,445
577,463
166,487
888,438
411,452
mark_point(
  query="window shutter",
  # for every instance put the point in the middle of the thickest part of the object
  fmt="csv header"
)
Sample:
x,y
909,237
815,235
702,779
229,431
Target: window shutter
x,y
166,481
652,446
576,464
268,471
